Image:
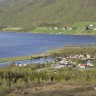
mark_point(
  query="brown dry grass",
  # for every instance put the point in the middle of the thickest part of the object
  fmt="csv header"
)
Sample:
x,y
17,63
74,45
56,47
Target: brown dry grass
x,y
58,89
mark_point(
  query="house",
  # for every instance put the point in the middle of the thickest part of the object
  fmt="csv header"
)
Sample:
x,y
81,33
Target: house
x,y
65,65
89,64
82,65
19,65
91,25
63,61
60,66
69,28
88,56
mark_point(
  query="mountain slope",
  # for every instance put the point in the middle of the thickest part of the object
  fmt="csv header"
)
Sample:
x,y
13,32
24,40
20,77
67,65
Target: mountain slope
x,y
32,13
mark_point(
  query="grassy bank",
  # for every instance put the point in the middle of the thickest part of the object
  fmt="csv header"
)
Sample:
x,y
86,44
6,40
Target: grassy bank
x,y
72,50
79,28
20,58
74,29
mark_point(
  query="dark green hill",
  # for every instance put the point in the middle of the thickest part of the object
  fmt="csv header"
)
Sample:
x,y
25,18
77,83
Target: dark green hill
x,y
27,14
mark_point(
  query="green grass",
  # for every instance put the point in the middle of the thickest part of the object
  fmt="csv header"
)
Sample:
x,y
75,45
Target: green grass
x,y
12,29
18,58
80,28
77,29
41,30
46,30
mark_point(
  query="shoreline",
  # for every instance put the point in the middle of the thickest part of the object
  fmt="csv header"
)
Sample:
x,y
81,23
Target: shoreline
x,y
21,58
48,53
48,33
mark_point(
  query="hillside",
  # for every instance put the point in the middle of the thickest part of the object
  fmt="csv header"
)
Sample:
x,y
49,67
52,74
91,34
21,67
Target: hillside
x,y
25,15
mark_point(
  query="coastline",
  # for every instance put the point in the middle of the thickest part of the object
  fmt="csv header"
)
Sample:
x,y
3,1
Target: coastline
x,y
30,57
50,53
20,58
34,32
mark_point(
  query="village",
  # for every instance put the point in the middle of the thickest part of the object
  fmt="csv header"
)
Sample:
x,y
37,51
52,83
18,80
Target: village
x,y
79,61
75,61
88,27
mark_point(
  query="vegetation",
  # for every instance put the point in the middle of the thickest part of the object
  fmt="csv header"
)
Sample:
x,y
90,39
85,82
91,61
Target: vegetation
x,y
25,15
18,77
12,77
13,59
72,50
80,28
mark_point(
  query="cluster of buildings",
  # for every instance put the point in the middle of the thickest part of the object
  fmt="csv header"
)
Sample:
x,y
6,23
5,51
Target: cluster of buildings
x,y
17,64
75,61
64,28
88,27
91,27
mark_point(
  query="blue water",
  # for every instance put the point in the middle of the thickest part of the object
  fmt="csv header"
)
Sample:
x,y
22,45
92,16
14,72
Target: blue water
x,y
34,61
19,44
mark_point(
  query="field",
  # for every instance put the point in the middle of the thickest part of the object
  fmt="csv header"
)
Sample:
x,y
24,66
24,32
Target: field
x,y
76,29
11,29
20,58
55,89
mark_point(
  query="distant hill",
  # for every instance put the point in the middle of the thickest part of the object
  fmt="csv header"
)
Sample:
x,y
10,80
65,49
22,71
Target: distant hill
x,y
28,14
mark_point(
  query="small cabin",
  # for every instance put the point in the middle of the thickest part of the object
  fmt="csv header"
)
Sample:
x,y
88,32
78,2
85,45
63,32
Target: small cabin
x,y
82,65
91,25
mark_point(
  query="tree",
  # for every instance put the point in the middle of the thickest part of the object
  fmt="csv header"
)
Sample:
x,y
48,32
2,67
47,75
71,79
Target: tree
x,y
87,28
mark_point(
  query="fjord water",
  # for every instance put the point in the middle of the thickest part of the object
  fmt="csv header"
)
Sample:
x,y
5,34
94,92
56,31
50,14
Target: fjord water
x,y
18,44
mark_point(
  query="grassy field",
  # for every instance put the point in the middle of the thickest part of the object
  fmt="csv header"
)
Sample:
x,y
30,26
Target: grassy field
x,y
13,59
11,29
76,29
56,89
33,80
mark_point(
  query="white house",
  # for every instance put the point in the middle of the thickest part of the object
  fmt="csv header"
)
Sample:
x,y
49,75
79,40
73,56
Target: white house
x,y
20,65
55,28
82,65
91,25
69,28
